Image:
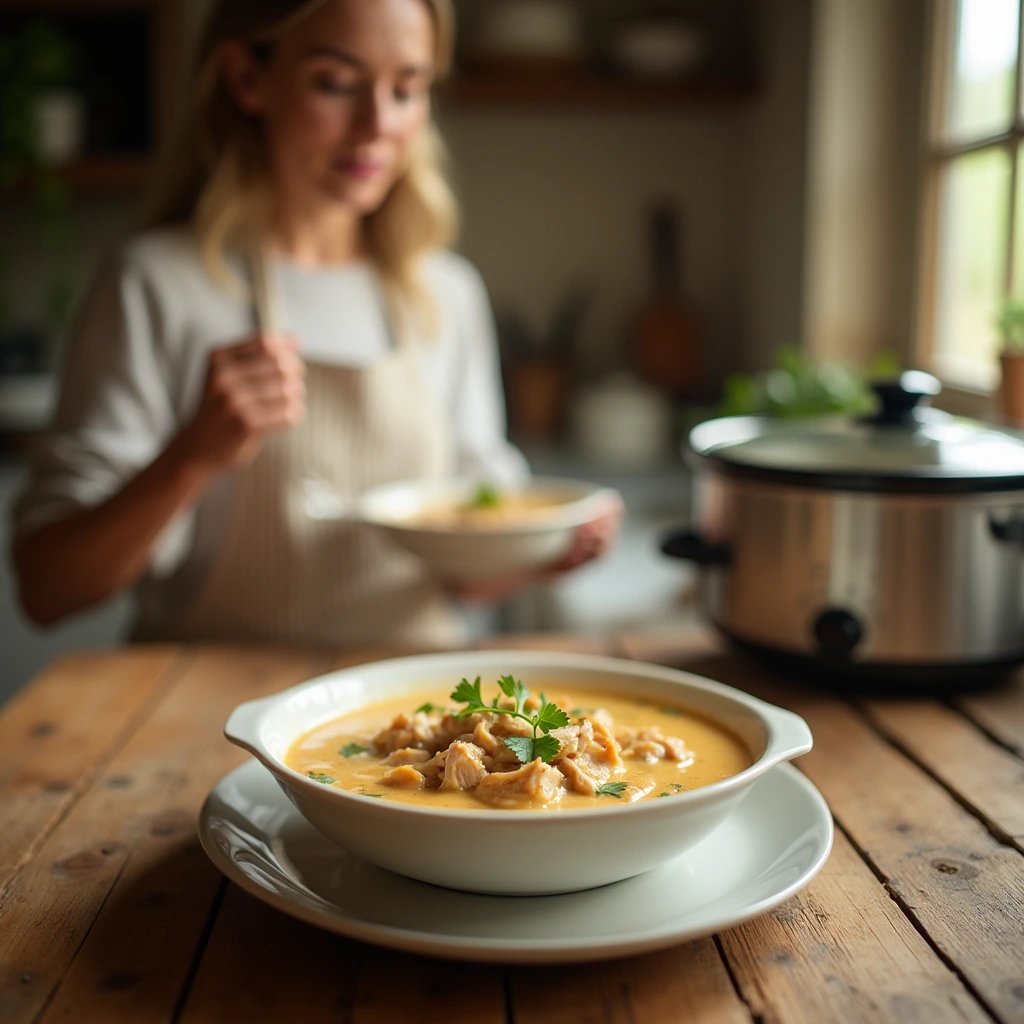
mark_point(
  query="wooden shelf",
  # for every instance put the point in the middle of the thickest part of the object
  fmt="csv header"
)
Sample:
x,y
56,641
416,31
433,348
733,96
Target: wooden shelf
x,y
106,173
96,175
555,91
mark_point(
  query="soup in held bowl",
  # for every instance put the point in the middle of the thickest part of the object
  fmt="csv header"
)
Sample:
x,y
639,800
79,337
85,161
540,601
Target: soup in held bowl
x,y
509,748
534,832
466,531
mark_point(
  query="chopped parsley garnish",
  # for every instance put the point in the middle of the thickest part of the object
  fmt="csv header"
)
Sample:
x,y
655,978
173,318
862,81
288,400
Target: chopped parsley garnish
x,y
428,707
485,496
376,796
351,749
611,789
321,777
677,787
526,748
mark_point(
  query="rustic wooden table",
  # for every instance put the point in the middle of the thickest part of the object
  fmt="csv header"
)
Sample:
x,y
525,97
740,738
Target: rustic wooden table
x,y
110,911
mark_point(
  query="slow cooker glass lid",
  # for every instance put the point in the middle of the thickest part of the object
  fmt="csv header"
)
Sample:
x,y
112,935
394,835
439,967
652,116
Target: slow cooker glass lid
x,y
956,448
901,442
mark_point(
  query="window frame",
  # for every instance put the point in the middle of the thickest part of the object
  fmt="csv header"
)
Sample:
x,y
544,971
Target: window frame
x,y
939,153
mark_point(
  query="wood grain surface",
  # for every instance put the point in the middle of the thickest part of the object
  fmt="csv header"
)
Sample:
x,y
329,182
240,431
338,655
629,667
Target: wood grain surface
x,y
110,911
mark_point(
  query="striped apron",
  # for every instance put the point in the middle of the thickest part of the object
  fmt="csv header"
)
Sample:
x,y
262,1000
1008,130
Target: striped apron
x,y
291,567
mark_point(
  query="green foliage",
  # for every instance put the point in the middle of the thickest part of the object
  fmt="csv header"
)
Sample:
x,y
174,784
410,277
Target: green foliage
x,y
529,748
485,496
551,716
614,789
321,777
352,749
526,748
798,387
428,707
1010,323
32,61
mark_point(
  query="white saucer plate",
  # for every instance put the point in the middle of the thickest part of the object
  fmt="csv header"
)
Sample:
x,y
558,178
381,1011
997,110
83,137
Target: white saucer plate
x,y
770,847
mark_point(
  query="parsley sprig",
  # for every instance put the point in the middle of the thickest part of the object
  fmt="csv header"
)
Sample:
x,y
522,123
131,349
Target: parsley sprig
x,y
428,707
485,496
526,748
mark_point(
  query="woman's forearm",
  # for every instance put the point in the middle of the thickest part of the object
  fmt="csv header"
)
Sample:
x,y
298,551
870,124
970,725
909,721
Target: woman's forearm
x,y
66,566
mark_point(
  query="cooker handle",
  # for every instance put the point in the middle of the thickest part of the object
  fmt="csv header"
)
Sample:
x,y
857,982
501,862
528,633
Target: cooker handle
x,y
692,547
1009,531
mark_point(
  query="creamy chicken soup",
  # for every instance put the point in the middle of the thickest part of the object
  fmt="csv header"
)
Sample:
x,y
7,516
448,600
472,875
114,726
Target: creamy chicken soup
x,y
609,751
489,508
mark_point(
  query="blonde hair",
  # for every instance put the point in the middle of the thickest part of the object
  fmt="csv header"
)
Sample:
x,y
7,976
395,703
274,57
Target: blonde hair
x,y
215,176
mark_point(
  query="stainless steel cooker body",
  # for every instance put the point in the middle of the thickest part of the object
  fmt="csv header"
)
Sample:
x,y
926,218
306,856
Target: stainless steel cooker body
x,y
860,579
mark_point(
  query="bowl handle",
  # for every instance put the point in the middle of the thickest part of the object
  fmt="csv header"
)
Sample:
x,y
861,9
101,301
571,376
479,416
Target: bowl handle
x,y
241,728
789,736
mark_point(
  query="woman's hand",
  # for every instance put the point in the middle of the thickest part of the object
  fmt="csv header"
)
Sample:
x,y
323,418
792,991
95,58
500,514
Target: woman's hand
x,y
251,389
592,540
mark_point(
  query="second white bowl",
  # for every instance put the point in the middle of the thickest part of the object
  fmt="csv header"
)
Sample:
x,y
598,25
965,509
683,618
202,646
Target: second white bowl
x,y
459,553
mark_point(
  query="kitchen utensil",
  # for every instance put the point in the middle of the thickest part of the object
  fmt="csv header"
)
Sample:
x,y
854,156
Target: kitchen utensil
x,y
666,344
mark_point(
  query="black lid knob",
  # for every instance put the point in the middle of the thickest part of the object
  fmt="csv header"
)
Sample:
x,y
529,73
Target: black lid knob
x,y
899,397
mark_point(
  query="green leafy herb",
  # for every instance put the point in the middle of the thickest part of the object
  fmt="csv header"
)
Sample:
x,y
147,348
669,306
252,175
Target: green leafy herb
x,y
677,787
376,796
428,707
580,712
526,748
671,711
351,749
485,496
321,777
611,789
529,748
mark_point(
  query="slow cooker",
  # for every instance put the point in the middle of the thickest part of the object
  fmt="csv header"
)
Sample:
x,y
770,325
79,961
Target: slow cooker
x,y
889,545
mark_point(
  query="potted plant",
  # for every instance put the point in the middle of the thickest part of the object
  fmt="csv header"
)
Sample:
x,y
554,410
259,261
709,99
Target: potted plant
x,y
1010,324
797,386
41,118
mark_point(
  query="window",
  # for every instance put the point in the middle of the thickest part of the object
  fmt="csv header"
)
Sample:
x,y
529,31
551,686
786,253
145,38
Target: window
x,y
974,187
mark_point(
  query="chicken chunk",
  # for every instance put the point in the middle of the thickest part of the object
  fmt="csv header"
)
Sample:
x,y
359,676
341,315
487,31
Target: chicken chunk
x,y
534,784
420,730
403,777
464,767
602,749
433,770
582,775
568,737
506,725
653,745
484,738
407,755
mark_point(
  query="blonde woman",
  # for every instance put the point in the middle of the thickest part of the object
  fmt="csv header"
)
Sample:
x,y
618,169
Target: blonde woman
x,y
289,332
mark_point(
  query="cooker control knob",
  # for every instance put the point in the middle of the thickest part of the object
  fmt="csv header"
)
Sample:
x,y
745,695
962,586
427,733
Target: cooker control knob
x,y
837,631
